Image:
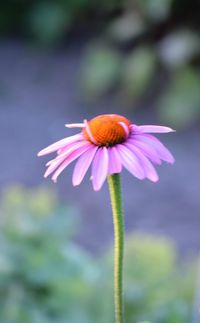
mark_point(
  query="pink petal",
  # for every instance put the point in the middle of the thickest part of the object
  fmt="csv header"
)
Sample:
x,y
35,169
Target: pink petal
x,y
83,164
145,148
130,161
50,162
54,163
67,146
89,133
149,170
75,125
153,129
114,165
71,147
153,142
57,145
100,168
125,127
68,160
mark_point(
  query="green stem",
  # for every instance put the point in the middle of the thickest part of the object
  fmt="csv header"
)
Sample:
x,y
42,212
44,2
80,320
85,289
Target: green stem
x,y
118,221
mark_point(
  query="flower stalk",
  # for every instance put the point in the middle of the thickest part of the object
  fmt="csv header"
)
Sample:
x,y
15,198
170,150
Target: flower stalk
x,y
118,221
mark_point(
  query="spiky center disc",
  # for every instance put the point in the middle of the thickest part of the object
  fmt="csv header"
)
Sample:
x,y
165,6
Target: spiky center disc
x,y
107,130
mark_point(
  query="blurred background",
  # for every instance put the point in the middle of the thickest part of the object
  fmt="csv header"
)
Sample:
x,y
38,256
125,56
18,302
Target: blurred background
x,y
66,60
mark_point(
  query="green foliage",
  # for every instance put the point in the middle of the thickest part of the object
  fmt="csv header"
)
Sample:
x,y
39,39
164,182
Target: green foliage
x,y
178,48
155,10
48,22
138,71
46,277
125,28
43,274
136,44
103,68
154,284
100,70
180,104
155,287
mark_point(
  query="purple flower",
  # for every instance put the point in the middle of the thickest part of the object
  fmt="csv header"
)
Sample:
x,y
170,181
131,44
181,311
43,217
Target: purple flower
x,y
108,143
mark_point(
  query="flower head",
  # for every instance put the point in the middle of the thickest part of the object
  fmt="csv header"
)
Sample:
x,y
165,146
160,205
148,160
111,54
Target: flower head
x,y
109,142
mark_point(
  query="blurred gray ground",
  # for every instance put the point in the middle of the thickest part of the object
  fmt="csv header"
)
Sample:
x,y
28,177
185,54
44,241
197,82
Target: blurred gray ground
x,y
38,94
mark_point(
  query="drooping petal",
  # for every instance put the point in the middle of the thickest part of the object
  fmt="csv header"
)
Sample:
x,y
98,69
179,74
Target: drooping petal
x,y
149,170
66,147
57,145
82,165
163,151
130,161
54,163
71,147
153,142
68,160
50,162
114,164
99,168
153,129
149,151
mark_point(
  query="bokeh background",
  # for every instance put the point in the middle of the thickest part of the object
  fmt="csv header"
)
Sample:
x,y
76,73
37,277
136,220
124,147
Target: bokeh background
x,y
66,60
